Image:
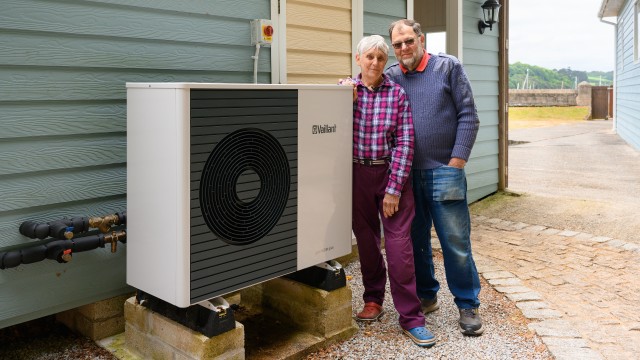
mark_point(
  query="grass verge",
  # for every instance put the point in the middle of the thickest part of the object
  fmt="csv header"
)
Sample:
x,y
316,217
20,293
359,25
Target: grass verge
x,y
538,116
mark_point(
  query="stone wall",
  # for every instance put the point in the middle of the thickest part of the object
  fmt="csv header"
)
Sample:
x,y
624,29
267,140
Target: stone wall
x,y
551,97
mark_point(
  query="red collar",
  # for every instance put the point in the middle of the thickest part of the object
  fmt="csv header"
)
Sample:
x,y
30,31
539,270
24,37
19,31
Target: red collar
x,y
421,66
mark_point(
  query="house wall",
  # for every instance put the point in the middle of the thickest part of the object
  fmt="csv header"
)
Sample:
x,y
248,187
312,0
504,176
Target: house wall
x,y
63,69
480,54
318,41
378,15
627,103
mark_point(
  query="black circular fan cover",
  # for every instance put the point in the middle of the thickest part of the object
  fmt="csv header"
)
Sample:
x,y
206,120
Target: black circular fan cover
x,y
245,151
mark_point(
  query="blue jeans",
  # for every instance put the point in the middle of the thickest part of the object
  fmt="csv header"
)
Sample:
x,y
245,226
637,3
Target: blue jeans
x,y
441,198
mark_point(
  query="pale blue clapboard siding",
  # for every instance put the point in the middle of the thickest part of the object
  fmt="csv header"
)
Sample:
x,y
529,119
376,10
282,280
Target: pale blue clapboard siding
x,y
63,69
378,15
480,55
627,102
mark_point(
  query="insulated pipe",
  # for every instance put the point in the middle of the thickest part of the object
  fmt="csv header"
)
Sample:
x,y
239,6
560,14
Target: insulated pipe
x,y
60,250
66,228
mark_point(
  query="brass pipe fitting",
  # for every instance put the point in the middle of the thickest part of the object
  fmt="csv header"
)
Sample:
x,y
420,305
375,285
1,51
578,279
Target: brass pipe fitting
x,y
105,223
114,238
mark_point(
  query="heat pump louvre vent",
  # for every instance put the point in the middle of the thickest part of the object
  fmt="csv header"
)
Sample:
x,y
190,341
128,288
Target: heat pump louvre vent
x,y
236,261
226,287
259,127
279,241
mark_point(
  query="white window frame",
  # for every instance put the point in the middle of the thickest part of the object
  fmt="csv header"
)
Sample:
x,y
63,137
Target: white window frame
x,y
357,31
454,28
277,44
636,34
620,42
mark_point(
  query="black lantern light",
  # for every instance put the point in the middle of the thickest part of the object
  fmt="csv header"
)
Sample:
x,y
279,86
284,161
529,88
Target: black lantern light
x,y
490,10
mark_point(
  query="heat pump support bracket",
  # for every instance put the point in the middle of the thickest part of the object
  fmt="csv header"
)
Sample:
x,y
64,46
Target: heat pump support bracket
x,y
327,276
210,318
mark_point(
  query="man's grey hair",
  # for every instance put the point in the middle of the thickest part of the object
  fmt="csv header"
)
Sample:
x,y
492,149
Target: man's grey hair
x,y
408,22
373,41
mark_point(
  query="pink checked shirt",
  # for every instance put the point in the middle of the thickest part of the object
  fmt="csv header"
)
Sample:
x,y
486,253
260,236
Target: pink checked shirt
x,y
383,128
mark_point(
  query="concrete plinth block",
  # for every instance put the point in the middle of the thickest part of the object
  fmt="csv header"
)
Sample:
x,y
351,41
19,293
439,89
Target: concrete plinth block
x,y
96,320
313,310
303,319
153,336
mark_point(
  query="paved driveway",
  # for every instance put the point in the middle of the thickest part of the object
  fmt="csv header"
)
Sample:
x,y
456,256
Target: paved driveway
x,y
567,250
581,177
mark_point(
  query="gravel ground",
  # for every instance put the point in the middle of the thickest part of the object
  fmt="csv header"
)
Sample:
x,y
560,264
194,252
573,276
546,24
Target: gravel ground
x,y
505,337
46,339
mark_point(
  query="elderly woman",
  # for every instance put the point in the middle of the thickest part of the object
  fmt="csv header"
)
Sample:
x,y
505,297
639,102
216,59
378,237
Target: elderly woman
x,y
382,156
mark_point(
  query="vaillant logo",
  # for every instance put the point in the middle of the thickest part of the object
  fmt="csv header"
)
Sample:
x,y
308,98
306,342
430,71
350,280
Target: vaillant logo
x,y
323,129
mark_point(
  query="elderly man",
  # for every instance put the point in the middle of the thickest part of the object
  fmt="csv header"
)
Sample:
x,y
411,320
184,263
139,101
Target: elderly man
x,y
446,124
382,155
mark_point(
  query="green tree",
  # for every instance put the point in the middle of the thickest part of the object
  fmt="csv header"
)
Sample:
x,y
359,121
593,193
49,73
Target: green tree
x,y
542,78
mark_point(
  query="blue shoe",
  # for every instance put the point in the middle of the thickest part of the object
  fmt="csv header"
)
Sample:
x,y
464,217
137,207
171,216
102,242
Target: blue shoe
x,y
421,336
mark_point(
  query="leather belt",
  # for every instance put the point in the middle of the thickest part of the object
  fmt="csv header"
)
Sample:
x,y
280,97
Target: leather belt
x,y
370,162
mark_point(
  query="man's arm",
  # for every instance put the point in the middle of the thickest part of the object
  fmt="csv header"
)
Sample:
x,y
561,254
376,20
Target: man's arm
x,y
468,121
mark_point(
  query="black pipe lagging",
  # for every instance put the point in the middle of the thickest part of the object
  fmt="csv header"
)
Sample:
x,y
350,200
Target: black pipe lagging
x,y
55,250
60,229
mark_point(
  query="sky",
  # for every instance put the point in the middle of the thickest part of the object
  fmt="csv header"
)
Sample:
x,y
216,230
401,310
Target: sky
x,y
557,34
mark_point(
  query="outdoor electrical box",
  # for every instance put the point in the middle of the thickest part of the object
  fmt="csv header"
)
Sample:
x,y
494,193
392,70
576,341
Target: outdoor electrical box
x,y
261,32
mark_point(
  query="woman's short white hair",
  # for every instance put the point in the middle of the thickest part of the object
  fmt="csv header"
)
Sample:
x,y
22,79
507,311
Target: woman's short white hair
x,y
372,41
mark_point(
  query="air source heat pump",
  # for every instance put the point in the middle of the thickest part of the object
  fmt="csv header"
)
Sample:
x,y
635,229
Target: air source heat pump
x,y
230,185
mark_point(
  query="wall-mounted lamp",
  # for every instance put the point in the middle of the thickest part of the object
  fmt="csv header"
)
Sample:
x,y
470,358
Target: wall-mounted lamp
x,y
490,10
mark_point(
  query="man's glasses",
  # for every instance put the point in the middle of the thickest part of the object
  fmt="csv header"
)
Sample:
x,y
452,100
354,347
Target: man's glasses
x,y
408,42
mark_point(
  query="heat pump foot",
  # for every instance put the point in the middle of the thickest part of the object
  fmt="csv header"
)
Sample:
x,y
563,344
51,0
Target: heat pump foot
x,y
210,317
326,276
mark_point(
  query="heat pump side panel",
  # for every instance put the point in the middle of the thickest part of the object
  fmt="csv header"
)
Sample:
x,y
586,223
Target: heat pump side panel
x,y
157,202
325,133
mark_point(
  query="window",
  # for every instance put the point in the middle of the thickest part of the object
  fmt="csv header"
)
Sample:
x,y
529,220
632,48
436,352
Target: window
x,y
436,42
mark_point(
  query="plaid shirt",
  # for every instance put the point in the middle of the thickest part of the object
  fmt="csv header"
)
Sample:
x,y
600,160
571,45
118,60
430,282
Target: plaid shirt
x,y
383,128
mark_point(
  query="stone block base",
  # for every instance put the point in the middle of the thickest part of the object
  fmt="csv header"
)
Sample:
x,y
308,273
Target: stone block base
x,y
96,320
317,317
150,335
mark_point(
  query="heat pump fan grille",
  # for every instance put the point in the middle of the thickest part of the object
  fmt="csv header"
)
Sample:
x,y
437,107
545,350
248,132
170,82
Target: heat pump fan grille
x,y
229,213
244,188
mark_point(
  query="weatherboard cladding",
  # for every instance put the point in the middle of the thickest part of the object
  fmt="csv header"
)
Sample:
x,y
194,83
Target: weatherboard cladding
x,y
627,103
480,53
63,69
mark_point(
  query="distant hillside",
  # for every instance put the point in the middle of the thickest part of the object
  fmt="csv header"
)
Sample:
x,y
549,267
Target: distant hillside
x,y
541,78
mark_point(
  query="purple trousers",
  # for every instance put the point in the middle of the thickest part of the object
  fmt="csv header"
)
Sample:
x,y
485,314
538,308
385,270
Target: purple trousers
x,y
369,183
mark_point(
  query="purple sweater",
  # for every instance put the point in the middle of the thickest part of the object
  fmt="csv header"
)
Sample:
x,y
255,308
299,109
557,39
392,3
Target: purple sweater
x,y
445,118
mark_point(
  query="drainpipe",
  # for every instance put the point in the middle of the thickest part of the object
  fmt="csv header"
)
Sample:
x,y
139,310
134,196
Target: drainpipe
x,y
615,74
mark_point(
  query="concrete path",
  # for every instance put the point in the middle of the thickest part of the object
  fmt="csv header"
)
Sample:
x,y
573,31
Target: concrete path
x,y
575,273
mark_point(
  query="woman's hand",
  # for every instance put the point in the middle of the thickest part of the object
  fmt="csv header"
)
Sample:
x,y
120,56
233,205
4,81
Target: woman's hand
x,y
390,205
350,81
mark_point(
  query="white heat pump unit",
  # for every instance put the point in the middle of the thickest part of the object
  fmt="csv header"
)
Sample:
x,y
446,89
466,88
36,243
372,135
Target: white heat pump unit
x,y
230,185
